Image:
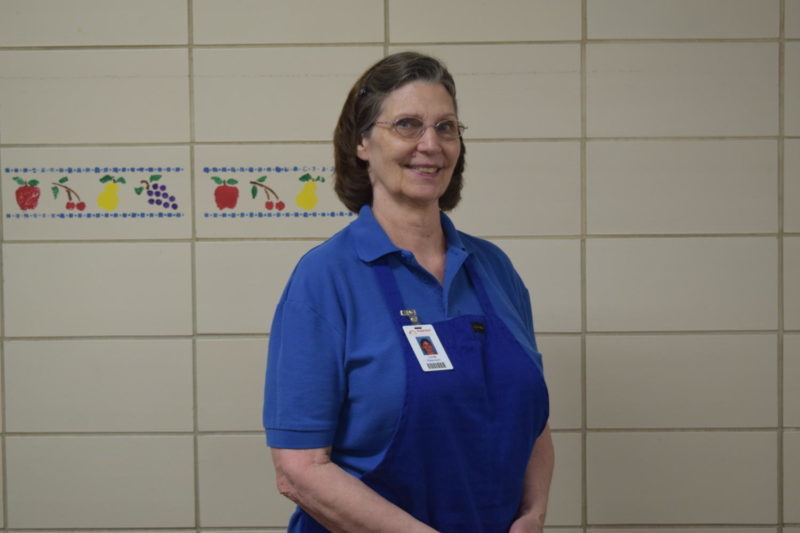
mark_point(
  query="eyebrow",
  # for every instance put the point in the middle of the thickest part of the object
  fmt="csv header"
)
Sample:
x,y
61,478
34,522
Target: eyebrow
x,y
416,115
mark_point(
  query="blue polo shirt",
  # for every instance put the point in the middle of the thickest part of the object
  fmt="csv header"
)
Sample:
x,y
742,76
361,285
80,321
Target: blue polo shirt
x,y
335,370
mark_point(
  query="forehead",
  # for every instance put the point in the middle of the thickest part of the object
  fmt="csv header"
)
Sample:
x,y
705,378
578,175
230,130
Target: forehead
x,y
419,98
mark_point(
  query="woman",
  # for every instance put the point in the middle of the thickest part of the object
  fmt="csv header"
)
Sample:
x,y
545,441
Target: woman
x,y
367,433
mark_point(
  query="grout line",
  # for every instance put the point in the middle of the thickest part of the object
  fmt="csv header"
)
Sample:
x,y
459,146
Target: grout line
x,y
4,388
386,28
193,258
335,44
542,237
780,298
259,335
260,432
583,272
295,142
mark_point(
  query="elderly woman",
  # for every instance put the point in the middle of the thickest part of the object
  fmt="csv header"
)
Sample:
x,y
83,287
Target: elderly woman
x,y
369,432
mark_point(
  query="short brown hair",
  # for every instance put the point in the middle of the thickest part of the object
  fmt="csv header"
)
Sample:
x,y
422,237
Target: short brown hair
x,y
361,109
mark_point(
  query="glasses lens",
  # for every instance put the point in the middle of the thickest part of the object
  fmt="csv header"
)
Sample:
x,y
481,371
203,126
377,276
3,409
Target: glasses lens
x,y
409,127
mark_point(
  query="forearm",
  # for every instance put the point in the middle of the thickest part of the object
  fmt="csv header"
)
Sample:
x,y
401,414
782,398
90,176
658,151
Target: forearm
x,y
538,475
336,499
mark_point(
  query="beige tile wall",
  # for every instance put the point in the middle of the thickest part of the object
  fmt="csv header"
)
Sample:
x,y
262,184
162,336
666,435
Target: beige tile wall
x,y
639,160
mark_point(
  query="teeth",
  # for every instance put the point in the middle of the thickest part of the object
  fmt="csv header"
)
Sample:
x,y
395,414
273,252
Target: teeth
x,y
426,169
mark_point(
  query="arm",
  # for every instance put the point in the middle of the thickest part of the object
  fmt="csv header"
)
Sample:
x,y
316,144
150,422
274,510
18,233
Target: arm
x,y
538,474
336,499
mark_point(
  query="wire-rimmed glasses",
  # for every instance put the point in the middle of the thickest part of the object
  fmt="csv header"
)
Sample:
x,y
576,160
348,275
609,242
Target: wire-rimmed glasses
x,y
414,128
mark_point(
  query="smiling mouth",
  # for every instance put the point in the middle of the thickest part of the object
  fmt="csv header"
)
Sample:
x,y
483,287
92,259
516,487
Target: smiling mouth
x,y
424,170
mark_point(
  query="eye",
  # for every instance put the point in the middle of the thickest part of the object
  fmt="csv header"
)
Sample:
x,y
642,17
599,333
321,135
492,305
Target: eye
x,y
447,127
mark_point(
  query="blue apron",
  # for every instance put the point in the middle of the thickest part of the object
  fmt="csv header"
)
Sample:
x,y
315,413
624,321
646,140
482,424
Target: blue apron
x,y
458,457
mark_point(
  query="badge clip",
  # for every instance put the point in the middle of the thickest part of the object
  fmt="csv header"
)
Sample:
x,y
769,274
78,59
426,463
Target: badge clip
x,y
411,314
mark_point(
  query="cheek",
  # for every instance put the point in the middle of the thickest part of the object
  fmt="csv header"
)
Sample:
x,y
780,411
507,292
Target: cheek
x,y
454,155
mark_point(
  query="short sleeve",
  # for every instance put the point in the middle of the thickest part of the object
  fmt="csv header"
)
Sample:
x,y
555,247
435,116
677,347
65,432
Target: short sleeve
x,y
305,384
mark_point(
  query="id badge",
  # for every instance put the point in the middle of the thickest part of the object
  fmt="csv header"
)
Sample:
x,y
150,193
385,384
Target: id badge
x,y
427,347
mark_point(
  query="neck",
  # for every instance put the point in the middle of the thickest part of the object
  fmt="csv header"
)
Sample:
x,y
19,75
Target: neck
x,y
416,229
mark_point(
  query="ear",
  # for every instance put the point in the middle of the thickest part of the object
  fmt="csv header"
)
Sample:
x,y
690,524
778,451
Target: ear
x,y
361,150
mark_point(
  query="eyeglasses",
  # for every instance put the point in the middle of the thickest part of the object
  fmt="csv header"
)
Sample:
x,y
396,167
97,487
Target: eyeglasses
x,y
413,128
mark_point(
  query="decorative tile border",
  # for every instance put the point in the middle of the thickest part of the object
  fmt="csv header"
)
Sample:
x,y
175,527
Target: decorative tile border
x,y
93,192
287,192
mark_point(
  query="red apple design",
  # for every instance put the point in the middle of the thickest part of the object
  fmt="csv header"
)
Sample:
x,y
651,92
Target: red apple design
x,y
27,193
225,195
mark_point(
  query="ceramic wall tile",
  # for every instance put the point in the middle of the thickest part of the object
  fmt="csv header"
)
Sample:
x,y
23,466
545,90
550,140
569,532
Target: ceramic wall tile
x,y
564,506
239,283
682,89
791,480
791,88
230,383
681,284
533,90
92,22
2,492
682,186
791,185
145,385
287,21
96,193
100,481
237,483
94,96
792,19
551,271
562,370
280,190
791,283
686,530
2,397
274,94
683,19
80,289
511,20
521,188
724,381
682,478
791,380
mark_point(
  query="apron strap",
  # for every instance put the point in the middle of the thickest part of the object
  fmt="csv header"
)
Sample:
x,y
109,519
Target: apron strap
x,y
390,290
480,288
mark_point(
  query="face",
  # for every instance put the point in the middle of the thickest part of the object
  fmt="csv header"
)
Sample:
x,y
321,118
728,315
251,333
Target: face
x,y
411,172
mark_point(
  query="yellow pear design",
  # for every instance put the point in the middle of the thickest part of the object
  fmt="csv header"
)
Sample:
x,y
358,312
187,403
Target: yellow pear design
x,y
307,198
109,197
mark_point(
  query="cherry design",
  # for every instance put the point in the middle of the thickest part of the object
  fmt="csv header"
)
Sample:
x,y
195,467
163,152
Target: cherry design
x,y
269,204
71,204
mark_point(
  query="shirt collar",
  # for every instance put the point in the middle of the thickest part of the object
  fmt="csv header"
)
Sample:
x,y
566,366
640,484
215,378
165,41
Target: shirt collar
x,y
371,242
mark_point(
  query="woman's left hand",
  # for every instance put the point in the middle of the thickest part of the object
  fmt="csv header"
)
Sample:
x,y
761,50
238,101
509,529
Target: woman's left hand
x,y
527,524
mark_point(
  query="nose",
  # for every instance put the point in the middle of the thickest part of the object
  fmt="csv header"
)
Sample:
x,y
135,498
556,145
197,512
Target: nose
x,y
429,141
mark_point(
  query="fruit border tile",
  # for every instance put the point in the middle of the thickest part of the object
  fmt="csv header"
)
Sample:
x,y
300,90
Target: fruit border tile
x,y
226,191
118,187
